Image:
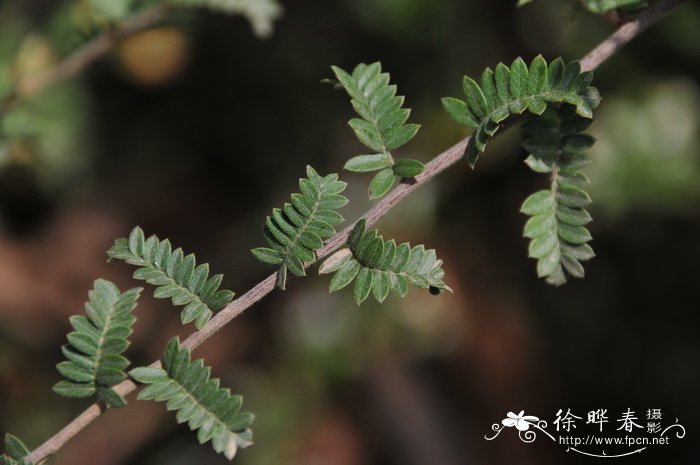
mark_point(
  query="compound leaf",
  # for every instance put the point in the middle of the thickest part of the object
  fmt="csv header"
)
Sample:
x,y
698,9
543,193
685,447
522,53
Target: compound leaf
x,y
382,124
296,231
558,219
187,388
176,275
378,266
94,361
509,91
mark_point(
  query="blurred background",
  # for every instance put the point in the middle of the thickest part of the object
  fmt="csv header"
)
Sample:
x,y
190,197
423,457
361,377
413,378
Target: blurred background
x,y
197,128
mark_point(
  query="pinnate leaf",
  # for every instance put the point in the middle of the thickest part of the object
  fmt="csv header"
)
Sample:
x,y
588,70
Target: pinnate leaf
x,y
94,363
512,90
198,399
176,275
378,266
382,125
296,231
558,219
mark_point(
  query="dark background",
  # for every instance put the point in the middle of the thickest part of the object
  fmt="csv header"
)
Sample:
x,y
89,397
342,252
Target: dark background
x,y
200,149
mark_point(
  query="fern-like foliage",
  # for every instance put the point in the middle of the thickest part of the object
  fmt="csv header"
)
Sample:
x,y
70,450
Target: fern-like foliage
x,y
381,127
95,363
187,387
557,227
378,266
297,230
15,451
512,90
177,276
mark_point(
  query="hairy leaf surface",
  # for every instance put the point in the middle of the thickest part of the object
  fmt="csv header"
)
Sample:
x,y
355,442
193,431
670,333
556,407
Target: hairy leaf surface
x,y
505,92
558,218
377,266
95,363
295,231
187,388
381,127
176,275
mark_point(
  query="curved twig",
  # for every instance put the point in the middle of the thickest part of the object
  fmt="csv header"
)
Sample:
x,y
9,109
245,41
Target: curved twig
x,y
627,32
449,157
84,57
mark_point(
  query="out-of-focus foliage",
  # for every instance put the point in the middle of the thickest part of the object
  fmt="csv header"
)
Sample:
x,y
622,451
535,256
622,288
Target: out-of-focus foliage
x,y
604,6
95,363
188,388
646,157
382,126
557,227
44,133
261,13
296,231
110,10
176,275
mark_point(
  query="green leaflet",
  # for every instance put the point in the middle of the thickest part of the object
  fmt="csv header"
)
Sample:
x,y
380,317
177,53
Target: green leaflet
x,y
260,13
15,451
557,225
187,387
297,230
95,363
511,91
377,266
177,276
381,127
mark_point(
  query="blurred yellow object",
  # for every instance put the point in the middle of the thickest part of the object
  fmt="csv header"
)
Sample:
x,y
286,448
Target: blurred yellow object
x,y
35,55
154,57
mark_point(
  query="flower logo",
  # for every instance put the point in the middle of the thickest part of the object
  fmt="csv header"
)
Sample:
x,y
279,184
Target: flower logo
x,y
520,421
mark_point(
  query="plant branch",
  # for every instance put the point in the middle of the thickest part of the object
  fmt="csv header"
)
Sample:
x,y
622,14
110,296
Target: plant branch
x,y
437,165
84,57
628,31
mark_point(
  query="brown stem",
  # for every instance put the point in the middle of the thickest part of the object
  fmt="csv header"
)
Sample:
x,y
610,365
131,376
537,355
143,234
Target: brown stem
x,y
627,32
88,54
438,164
